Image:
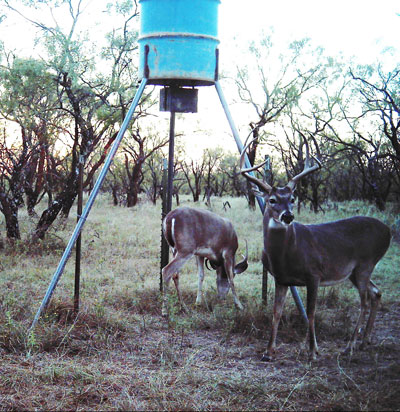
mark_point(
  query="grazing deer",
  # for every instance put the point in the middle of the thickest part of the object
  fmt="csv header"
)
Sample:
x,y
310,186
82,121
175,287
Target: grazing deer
x,y
195,232
317,255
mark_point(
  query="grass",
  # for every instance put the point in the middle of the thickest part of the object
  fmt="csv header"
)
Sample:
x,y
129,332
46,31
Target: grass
x,y
120,354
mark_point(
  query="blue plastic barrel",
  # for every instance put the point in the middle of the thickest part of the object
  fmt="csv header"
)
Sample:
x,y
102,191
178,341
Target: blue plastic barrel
x,y
178,42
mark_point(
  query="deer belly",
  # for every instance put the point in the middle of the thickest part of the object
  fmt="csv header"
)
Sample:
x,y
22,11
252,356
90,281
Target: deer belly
x,y
206,252
338,274
289,280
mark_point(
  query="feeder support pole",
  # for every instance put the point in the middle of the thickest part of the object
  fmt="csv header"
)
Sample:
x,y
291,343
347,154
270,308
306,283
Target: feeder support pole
x,y
260,200
164,243
168,185
171,161
89,204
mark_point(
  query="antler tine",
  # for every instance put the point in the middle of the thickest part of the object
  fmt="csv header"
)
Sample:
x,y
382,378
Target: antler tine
x,y
243,264
308,167
244,171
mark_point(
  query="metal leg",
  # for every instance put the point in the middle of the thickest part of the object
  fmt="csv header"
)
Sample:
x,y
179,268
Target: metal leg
x,y
260,200
89,203
236,136
164,243
168,184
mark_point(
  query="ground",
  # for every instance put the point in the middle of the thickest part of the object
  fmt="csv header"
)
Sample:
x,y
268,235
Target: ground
x,y
119,353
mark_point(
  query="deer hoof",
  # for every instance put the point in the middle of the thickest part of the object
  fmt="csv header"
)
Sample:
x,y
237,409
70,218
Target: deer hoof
x,y
266,358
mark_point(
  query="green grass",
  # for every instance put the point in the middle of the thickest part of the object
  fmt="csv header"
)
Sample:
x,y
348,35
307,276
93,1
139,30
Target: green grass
x,y
120,354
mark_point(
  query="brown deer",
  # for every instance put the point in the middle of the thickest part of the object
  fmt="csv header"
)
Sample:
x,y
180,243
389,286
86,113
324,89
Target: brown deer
x,y
195,232
317,255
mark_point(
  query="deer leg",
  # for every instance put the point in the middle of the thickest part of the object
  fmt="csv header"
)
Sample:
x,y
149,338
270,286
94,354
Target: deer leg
x,y
359,279
280,297
168,272
312,293
228,263
200,267
175,278
375,296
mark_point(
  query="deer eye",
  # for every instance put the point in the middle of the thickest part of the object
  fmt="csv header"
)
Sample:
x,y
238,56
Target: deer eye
x,y
272,201
292,200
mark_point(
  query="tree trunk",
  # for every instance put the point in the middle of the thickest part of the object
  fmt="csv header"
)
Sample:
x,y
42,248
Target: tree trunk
x,y
10,211
115,195
177,198
31,202
252,156
207,194
376,192
69,202
63,201
132,195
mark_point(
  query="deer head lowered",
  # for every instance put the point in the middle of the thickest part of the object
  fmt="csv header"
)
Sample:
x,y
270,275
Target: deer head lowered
x,y
317,255
196,232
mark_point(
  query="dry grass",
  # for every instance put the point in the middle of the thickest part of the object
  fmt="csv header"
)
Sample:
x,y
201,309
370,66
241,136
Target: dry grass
x,y
120,354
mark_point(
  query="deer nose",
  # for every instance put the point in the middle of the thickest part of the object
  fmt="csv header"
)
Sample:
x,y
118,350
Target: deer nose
x,y
287,217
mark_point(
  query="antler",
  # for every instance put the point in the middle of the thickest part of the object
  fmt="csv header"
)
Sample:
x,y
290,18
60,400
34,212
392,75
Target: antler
x,y
260,183
308,168
243,264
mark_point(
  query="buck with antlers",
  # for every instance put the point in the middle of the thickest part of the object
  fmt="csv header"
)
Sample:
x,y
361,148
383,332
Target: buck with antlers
x,y
317,255
195,232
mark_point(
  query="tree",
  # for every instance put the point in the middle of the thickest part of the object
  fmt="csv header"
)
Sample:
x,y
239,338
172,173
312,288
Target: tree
x,y
194,174
154,166
229,177
91,102
280,85
12,163
27,107
378,92
137,150
211,159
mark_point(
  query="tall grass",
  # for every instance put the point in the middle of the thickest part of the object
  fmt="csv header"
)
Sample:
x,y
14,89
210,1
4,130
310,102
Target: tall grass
x,y
119,353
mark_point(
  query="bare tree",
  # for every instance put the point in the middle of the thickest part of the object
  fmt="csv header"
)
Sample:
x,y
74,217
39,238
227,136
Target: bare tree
x,y
194,174
382,98
137,150
211,159
278,90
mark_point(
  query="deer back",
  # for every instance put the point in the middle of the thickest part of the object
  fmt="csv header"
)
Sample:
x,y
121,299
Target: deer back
x,y
203,232
330,250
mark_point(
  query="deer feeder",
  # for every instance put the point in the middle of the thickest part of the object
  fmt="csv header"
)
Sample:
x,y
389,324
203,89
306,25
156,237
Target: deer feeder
x,y
178,42
178,49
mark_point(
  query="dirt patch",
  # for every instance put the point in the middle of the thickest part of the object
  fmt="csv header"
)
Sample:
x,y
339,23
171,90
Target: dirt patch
x,y
159,368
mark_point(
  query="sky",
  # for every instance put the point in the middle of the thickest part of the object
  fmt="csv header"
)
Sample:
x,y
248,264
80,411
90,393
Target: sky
x,y
352,28
358,29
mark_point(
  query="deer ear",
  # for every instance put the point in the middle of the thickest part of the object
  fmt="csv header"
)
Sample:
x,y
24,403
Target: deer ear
x,y
241,267
214,265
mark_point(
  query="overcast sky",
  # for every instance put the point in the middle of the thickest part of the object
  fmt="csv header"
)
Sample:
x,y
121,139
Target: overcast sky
x,y
354,27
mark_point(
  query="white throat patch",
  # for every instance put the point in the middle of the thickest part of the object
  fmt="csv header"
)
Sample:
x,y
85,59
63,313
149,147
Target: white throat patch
x,y
276,224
